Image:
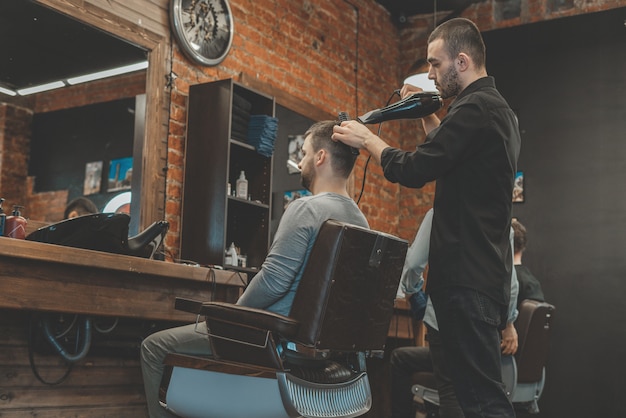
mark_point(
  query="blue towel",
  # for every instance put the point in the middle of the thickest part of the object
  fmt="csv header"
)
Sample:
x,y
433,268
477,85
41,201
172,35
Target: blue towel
x,y
262,132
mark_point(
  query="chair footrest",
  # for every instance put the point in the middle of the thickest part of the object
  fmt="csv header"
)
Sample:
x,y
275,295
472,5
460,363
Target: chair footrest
x,y
345,400
328,372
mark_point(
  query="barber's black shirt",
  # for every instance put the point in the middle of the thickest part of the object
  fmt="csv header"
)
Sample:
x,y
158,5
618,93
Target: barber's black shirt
x,y
472,155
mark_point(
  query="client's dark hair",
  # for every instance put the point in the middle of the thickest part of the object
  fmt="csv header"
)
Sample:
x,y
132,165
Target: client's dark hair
x,y
342,157
519,235
81,205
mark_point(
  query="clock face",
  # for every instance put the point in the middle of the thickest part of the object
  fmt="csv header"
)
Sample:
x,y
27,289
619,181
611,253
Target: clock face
x,y
203,28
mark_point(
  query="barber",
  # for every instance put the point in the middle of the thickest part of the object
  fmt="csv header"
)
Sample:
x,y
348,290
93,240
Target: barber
x,y
472,153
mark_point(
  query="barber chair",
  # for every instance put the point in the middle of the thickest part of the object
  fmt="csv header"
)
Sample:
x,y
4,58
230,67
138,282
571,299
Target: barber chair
x,y
311,363
524,373
106,232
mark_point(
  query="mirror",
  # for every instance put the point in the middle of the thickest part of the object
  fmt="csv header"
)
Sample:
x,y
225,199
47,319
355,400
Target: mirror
x,y
54,46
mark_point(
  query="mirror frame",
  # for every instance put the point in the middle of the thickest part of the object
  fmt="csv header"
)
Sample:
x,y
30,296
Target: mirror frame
x,y
154,147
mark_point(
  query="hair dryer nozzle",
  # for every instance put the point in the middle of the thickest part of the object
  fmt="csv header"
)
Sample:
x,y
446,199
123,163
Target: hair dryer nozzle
x,y
414,106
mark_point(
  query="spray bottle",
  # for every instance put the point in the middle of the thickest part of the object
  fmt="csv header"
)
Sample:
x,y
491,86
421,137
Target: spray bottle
x,y
15,224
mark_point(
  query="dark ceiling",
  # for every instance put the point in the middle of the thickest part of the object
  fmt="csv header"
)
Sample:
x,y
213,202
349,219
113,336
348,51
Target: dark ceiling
x,y
400,10
41,45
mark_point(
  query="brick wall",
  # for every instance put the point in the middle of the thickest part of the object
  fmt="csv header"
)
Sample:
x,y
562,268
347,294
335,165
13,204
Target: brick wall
x,y
337,55
15,134
308,50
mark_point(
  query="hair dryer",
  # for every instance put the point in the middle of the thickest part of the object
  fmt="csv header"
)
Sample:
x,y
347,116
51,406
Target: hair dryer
x,y
414,106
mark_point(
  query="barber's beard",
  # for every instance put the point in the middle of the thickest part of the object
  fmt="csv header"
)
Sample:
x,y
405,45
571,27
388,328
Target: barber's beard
x,y
449,84
306,178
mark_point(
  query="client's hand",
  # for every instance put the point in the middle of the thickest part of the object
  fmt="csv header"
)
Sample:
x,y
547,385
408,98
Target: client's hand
x,y
509,339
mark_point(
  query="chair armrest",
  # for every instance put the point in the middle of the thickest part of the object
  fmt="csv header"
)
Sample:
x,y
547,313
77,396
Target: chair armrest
x,y
188,305
241,315
251,317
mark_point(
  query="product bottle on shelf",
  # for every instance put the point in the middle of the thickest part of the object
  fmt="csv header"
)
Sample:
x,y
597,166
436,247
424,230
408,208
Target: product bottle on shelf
x,y
233,255
242,186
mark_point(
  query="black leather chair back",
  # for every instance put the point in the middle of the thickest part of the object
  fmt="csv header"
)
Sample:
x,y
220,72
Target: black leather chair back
x,y
534,326
345,298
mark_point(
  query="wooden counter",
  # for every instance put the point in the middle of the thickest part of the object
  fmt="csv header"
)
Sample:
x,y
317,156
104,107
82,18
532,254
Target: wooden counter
x,y
47,277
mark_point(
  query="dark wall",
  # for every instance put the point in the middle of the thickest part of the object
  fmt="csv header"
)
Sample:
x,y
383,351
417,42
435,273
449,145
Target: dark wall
x,y
567,80
65,140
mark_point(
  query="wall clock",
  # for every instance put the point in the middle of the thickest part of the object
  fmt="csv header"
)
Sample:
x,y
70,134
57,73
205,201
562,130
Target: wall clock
x,y
203,29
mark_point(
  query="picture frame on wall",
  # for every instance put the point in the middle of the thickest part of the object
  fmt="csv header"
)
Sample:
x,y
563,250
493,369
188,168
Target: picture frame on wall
x,y
294,149
120,174
518,188
93,178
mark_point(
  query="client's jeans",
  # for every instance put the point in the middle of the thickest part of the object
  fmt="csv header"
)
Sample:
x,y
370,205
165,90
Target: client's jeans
x,y
469,331
184,340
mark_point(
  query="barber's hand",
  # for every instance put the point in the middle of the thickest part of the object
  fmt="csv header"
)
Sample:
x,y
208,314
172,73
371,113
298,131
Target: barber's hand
x,y
409,89
429,122
509,342
352,133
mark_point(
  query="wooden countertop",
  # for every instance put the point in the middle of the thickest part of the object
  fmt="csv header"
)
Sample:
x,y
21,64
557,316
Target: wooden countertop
x,y
50,277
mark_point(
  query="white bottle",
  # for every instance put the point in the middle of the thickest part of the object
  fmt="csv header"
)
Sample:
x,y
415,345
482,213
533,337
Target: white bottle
x,y
242,186
233,255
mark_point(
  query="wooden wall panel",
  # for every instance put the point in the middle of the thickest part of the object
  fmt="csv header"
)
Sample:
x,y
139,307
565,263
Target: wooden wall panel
x,y
100,385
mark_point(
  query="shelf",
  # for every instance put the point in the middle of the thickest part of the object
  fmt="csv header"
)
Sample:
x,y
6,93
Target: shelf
x,y
242,144
216,154
249,202
251,270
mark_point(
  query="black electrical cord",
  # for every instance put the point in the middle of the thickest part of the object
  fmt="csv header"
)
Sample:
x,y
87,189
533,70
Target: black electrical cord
x,y
370,156
31,356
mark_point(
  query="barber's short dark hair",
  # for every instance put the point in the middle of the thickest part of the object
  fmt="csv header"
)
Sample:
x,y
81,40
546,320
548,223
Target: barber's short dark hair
x,y
342,159
461,35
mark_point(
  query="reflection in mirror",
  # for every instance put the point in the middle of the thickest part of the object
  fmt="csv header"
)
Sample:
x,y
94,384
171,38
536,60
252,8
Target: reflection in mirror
x,y
56,143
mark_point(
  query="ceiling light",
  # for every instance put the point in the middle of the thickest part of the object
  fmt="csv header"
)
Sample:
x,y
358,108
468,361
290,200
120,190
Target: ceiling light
x,y
108,73
422,81
117,202
7,92
40,88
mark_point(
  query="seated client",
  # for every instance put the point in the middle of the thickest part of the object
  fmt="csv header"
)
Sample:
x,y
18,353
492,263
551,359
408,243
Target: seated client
x,y
325,168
